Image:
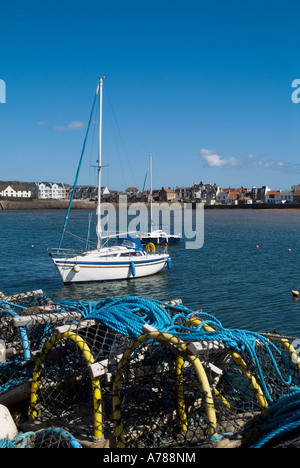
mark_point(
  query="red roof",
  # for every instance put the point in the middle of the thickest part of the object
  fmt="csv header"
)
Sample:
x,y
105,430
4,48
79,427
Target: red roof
x,y
168,190
233,196
274,192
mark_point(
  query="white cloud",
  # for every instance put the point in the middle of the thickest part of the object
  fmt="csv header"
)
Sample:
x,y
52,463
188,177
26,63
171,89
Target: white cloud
x,y
212,159
43,122
74,125
257,161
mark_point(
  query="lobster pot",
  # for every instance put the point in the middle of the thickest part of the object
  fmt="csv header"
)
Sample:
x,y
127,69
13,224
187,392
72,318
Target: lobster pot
x,y
55,438
17,306
45,438
162,396
26,299
62,387
256,382
105,343
15,365
170,393
27,321
72,381
280,426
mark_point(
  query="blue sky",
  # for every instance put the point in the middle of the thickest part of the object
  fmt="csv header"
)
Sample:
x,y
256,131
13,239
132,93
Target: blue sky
x,y
204,86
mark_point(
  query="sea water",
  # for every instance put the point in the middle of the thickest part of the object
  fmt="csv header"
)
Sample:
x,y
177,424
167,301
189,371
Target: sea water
x,y
243,275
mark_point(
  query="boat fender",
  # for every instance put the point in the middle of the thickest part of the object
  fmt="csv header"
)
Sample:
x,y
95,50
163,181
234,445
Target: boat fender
x,y
150,246
7,424
169,264
76,268
132,266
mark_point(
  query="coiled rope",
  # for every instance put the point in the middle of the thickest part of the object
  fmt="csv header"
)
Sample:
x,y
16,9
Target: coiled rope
x,y
125,315
282,418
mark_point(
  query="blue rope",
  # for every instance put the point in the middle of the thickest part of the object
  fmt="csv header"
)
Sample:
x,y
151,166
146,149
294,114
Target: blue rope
x,y
125,315
20,441
60,434
242,340
14,373
128,315
25,440
2,301
23,333
282,418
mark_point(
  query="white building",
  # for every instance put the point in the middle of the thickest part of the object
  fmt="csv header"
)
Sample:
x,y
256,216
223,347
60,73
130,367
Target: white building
x,y
279,196
46,190
222,197
14,191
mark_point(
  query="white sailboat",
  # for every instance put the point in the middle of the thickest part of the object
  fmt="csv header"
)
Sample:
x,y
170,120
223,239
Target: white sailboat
x,y
125,260
157,236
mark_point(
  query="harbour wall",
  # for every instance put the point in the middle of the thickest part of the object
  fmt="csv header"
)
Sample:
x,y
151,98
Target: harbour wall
x,y
37,204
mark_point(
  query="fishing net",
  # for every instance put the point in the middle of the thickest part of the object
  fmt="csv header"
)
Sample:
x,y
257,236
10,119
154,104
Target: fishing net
x,y
27,321
15,365
136,373
46,438
71,385
184,387
190,400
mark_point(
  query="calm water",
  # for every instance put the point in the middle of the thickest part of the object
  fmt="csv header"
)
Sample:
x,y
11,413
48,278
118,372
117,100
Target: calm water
x,y
229,277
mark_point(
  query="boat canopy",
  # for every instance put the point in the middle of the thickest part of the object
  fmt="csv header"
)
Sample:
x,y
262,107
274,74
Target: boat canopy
x,y
131,242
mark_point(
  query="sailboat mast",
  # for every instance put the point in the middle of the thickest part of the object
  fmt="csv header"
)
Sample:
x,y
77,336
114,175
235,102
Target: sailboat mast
x,y
100,89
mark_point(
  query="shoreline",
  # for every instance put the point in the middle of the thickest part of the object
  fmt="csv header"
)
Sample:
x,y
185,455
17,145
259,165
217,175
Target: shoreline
x,y
37,204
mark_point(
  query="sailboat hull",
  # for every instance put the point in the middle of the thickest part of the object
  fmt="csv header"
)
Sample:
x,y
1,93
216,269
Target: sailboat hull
x,y
80,271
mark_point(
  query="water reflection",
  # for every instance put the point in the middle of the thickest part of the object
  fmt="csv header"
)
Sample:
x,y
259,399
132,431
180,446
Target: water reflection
x,y
152,287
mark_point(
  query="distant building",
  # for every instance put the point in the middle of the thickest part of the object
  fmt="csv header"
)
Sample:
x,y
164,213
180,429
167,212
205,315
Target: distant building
x,y
132,190
258,193
245,201
279,196
286,196
88,192
271,196
204,193
183,193
296,196
296,188
233,197
47,190
222,197
167,195
85,192
14,191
